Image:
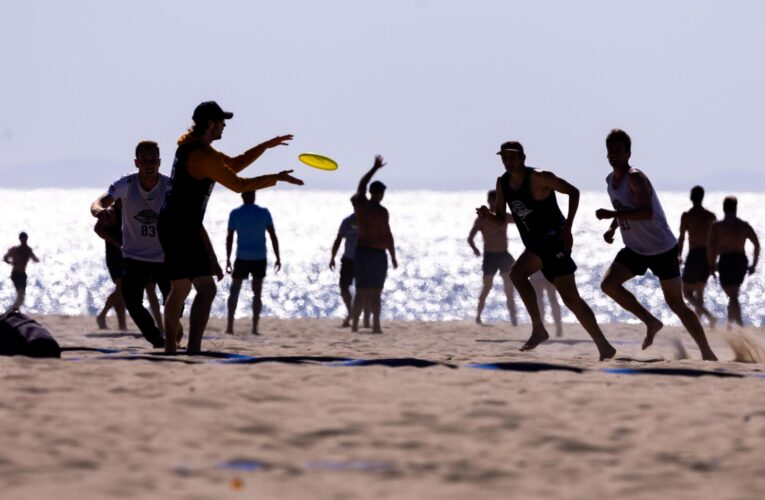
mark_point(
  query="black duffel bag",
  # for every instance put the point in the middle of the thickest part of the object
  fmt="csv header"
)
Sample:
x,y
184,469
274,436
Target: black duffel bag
x,y
21,335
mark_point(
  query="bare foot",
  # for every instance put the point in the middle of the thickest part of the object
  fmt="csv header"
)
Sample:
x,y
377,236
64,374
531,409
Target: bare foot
x,y
229,331
478,320
607,353
537,337
652,329
101,322
346,323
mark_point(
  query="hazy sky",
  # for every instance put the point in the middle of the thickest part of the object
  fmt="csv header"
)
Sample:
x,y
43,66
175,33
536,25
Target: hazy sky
x,y
435,86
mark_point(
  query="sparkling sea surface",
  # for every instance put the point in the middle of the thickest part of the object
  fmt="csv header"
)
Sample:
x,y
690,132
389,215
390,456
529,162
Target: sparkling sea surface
x,y
438,277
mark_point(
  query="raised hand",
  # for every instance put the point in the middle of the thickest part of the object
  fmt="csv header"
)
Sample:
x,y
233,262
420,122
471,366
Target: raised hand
x,y
285,176
483,211
379,162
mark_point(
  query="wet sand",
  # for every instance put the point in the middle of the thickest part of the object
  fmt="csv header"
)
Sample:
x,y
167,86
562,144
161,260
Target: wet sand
x,y
94,426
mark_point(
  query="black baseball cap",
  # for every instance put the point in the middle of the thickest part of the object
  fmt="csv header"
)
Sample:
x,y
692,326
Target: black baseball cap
x,y
511,146
210,110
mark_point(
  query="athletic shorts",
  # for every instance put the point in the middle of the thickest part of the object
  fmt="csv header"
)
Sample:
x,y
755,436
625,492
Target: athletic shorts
x,y
114,262
244,268
346,272
732,268
186,255
556,261
19,279
497,261
696,268
370,266
664,265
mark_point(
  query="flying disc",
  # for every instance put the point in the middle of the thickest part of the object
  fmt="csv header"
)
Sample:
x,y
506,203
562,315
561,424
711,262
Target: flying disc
x,y
318,161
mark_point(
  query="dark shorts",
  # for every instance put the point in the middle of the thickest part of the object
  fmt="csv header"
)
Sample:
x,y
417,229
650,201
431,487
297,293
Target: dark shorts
x,y
346,272
244,268
556,261
497,261
664,265
186,255
19,279
370,265
696,268
115,263
732,268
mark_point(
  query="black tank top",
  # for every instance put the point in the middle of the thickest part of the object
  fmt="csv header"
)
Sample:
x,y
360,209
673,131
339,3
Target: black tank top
x,y
536,219
186,199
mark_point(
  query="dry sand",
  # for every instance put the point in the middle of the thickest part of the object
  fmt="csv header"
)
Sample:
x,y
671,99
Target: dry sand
x,y
87,427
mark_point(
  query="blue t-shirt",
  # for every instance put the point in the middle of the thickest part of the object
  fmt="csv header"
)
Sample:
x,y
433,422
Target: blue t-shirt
x,y
250,222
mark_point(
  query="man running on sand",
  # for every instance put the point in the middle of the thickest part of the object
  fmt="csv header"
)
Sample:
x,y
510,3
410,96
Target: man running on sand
x,y
495,258
18,257
546,234
696,222
250,222
189,255
348,232
727,238
370,264
648,244
141,195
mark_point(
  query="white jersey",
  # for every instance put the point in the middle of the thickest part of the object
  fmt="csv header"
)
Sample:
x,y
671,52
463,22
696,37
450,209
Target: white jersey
x,y
140,210
646,237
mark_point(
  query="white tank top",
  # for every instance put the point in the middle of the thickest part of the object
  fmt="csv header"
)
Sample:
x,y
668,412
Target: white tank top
x,y
646,237
140,210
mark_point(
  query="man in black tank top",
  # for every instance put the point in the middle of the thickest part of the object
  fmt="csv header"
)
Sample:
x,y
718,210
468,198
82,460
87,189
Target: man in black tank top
x,y
189,255
546,234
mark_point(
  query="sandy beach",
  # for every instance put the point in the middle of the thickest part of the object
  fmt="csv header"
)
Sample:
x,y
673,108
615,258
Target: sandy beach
x,y
127,424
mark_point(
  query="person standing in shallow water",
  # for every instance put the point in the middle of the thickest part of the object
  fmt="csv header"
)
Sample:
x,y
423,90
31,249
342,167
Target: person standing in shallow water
x,y
696,222
727,238
18,257
546,235
496,258
189,255
648,244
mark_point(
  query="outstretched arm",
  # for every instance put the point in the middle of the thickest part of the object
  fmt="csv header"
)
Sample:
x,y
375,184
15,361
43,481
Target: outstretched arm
x,y
275,245
209,164
239,163
378,164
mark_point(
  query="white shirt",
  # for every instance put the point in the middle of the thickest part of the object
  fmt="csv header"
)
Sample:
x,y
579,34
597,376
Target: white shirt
x,y
140,210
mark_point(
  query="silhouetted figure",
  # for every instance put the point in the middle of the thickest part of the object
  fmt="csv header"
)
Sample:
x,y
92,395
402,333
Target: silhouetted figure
x,y
496,258
189,255
250,222
348,232
141,195
546,234
109,228
648,244
18,257
543,287
727,238
370,263
696,222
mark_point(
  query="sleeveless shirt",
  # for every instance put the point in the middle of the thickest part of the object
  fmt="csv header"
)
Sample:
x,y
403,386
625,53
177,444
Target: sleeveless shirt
x,y
186,199
535,219
646,237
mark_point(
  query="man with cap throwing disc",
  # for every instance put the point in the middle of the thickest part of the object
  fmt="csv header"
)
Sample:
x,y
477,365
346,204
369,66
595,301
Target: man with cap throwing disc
x,y
189,255
546,234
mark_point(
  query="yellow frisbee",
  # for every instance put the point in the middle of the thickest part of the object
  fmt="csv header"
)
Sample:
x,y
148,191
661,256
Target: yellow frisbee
x,y
318,161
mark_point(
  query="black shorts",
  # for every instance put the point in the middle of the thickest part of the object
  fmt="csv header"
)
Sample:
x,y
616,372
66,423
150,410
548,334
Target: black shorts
x,y
370,266
497,261
732,268
346,272
114,262
19,280
244,268
696,268
556,261
186,254
664,265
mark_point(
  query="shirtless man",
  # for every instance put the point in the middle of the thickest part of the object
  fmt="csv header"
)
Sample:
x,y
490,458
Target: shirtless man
x,y
348,232
18,257
189,255
370,264
495,258
696,222
648,244
727,238
546,234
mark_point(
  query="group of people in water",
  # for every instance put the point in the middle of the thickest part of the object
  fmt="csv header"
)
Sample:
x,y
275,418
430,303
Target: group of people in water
x,y
156,222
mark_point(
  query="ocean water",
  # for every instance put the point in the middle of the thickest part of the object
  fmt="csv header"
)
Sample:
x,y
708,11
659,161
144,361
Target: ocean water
x,y
438,276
